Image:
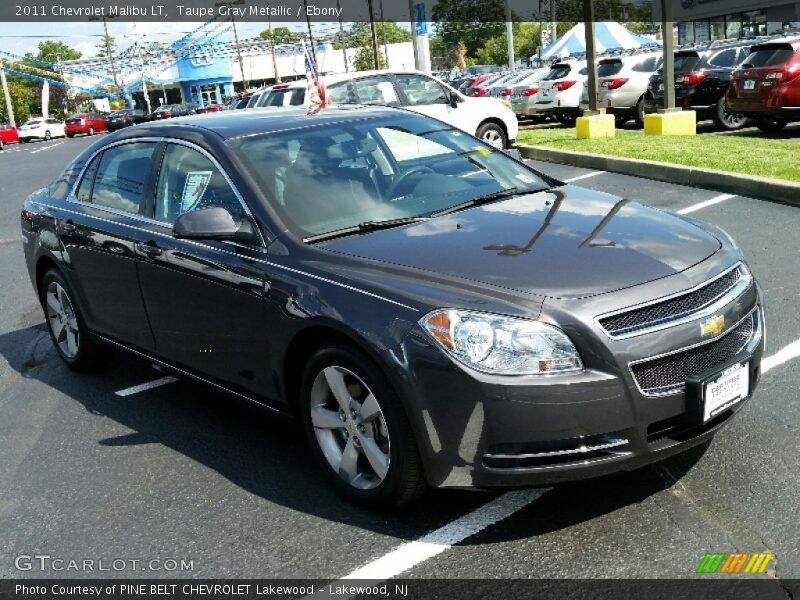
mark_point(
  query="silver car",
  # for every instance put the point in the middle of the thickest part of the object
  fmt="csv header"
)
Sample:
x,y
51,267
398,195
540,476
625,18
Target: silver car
x,y
523,93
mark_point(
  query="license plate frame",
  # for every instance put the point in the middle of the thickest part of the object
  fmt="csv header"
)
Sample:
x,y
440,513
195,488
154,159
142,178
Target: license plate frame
x,y
749,85
700,409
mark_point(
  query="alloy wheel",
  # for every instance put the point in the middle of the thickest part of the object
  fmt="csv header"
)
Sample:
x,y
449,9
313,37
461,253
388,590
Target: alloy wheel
x,y
493,138
62,320
732,120
350,427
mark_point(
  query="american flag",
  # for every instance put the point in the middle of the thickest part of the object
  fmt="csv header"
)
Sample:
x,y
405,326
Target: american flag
x,y
315,90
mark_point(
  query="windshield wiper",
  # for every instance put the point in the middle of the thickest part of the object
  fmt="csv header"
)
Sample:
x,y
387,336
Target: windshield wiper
x,y
363,227
485,199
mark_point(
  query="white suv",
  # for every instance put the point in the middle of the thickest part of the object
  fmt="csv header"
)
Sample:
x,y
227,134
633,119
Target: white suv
x,y
489,119
560,91
622,82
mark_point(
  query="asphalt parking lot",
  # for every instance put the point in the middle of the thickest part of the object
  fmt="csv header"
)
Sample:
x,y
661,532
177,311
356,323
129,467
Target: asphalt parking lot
x,y
179,472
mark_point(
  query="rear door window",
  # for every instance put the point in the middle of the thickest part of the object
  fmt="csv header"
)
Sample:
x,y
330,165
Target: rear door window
x,y
769,56
725,58
121,176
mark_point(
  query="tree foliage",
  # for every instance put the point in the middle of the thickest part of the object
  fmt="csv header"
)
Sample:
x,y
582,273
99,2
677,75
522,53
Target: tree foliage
x,y
52,51
364,59
21,97
283,35
107,41
359,35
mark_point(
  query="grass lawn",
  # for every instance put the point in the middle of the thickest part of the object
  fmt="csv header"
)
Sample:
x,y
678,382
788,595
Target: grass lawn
x,y
752,154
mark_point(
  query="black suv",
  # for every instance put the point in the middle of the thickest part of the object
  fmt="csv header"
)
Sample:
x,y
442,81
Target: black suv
x,y
702,76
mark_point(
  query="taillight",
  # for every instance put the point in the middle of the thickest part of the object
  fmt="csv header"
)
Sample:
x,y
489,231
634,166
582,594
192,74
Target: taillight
x,y
482,91
27,216
125,118
787,74
613,84
692,78
530,91
507,92
562,86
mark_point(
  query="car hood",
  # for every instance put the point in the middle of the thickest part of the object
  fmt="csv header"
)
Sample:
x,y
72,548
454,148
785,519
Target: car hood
x,y
569,242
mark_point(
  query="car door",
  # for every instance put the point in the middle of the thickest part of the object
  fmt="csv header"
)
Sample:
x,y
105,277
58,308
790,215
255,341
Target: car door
x,y
427,96
206,300
98,229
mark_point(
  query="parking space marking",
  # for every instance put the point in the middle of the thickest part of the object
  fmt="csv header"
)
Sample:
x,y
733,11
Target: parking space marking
x,y
46,148
413,553
584,176
712,202
783,355
146,386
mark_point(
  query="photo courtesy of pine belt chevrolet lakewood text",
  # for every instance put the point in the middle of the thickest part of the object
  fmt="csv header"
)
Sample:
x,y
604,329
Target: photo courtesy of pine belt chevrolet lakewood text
x,y
433,311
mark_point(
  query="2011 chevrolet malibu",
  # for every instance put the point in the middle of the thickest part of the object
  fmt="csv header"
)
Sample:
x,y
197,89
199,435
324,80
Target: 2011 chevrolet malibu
x,y
434,311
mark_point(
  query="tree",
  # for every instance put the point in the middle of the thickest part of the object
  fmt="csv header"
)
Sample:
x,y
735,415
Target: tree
x,y
52,51
282,35
364,59
21,96
107,41
360,35
469,22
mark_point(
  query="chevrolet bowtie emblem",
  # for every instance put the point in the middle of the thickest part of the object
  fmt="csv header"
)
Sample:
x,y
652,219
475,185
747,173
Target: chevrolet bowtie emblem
x,y
713,326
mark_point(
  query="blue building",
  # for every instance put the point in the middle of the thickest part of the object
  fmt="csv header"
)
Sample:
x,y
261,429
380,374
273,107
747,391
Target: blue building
x,y
205,78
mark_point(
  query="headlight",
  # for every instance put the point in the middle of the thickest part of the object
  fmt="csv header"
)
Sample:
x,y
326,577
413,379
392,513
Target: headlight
x,y
502,345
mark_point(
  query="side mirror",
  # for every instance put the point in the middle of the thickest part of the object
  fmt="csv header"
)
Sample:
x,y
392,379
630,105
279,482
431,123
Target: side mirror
x,y
513,153
213,223
453,100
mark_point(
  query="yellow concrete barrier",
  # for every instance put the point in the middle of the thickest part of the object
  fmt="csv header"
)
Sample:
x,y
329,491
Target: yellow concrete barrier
x,y
683,122
595,126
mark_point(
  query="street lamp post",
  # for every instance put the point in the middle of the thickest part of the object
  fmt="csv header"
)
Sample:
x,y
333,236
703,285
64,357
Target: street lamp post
x,y
107,40
236,37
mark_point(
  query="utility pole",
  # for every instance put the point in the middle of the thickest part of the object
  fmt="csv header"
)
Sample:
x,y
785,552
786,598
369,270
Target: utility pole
x,y
342,38
668,45
274,57
510,37
375,55
591,55
107,40
385,45
230,3
9,108
310,35
414,35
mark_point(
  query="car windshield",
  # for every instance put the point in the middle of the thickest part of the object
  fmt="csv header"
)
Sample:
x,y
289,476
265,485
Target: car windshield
x,y
558,72
340,175
685,62
34,122
608,68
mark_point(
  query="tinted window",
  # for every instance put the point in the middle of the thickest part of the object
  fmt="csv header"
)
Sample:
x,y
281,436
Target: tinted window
x,y
648,65
84,191
376,90
609,68
558,72
685,62
725,58
421,90
188,181
285,97
769,56
121,176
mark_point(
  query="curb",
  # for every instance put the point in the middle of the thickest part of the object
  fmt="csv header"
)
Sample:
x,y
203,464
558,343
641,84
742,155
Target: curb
x,y
723,181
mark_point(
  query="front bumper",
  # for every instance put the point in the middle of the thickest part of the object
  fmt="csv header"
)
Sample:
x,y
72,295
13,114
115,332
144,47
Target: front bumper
x,y
476,430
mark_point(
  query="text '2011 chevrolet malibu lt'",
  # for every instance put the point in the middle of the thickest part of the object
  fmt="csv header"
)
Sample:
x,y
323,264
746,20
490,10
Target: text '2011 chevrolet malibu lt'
x,y
434,312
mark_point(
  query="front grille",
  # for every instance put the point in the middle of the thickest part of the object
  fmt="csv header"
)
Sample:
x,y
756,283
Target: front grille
x,y
675,308
668,374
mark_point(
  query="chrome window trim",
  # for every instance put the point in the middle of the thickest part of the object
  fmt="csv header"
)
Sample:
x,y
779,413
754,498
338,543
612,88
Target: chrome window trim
x,y
722,300
750,345
72,197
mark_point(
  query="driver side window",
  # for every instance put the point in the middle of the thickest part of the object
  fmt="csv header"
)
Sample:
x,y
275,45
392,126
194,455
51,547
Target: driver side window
x,y
421,90
189,181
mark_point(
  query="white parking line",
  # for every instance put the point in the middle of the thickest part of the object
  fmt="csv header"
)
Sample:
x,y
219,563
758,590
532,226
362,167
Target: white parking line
x,y
46,148
146,386
783,355
712,202
585,176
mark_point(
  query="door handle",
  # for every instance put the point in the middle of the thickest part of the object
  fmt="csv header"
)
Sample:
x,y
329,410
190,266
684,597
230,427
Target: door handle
x,y
149,249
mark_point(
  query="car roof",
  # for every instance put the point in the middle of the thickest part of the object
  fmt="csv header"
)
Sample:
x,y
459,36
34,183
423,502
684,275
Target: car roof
x,y
235,124
337,77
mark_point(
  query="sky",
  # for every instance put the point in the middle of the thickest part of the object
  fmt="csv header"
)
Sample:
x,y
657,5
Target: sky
x,y
19,38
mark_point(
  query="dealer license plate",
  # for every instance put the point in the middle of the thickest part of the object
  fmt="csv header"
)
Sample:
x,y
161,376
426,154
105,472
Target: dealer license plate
x,y
749,84
728,388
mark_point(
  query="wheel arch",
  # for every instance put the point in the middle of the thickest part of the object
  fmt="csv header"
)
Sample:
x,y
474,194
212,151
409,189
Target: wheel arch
x,y
496,121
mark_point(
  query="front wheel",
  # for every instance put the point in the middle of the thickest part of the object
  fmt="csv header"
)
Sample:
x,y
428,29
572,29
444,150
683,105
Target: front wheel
x,y
771,124
727,120
2,145
65,323
91,130
358,430
492,134
620,119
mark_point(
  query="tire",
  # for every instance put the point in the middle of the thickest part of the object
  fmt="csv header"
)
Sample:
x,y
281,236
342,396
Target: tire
x,y
70,135
770,124
47,136
65,323
493,134
91,131
638,115
620,119
391,440
725,120
567,120
2,145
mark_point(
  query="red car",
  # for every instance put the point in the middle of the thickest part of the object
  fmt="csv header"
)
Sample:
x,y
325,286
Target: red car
x,y
209,108
8,135
766,87
88,123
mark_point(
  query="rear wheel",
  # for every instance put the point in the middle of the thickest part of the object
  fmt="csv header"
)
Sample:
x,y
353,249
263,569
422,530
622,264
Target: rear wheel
x,y
620,119
65,323
2,145
358,429
492,134
725,119
568,120
639,114
771,124
91,130
70,135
